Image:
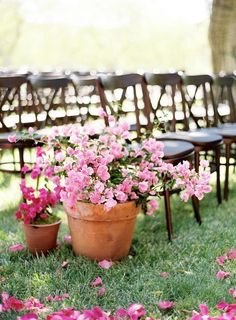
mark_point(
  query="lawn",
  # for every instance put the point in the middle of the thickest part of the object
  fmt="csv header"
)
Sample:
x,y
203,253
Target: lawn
x,y
190,261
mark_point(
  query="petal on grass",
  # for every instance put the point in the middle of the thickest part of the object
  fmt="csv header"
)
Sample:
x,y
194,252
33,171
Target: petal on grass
x,y
16,247
64,264
105,264
29,316
67,239
96,282
164,274
222,275
101,291
165,305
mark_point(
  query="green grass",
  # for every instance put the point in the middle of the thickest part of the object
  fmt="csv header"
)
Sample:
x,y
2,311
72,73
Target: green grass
x,y
190,259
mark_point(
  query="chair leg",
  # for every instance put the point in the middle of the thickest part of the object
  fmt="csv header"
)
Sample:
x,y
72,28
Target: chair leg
x,y
227,156
168,214
196,160
21,155
197,215
218,186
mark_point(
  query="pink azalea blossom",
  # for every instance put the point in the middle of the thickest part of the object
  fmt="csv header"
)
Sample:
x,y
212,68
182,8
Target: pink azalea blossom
x,y
101,113
164,305
204,163
12,138
31,130
16,247
105,264
96,282
222,275
25,169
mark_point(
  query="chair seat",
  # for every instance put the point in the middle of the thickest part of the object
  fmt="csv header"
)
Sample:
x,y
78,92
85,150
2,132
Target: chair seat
x,y
176,149
225,131
197,138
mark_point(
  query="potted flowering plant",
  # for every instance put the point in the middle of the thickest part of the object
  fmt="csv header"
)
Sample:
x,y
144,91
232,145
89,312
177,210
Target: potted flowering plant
x,y
106,180
40,223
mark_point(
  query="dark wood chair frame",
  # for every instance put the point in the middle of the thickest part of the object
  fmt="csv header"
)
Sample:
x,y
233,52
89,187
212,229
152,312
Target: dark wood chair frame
x,y
132,80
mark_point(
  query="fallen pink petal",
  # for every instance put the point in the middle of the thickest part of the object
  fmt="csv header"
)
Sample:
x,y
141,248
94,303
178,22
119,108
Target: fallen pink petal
x,y
64,264
105,264
96,282
101,291
16,247
222,275
164,274
29,316
232,291
231,254
164,305
221,260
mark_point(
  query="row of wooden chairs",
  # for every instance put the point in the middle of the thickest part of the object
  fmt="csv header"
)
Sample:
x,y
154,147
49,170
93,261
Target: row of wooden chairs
x,y
54,99
173,105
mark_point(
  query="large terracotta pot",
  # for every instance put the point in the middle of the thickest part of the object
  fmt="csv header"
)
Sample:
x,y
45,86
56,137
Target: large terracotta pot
x,y
41,238
99,234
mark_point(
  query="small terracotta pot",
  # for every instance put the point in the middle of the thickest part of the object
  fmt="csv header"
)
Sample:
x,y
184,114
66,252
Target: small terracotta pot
x,y
99,234
41,238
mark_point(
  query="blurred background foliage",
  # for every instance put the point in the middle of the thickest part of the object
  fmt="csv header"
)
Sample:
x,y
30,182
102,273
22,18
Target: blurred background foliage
x,y
106,35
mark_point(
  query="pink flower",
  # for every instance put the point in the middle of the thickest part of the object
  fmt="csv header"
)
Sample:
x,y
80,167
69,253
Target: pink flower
x,y
164,305
222,275
220,260
16,247
103,173
101,291
59,156
104,264
152,206
25,169
29,316
67,239
96,282
31,130
204,163
143,186
110,203
164,274
101,113
12,138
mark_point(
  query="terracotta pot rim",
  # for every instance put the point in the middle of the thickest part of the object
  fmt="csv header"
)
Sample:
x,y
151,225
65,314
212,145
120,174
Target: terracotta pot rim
x,y
42,225
101,204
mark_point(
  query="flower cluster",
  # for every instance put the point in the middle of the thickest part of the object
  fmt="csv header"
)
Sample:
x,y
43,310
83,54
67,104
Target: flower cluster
x,y
109,169
37,204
